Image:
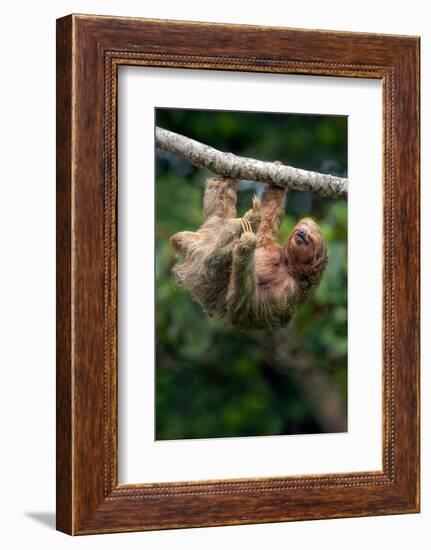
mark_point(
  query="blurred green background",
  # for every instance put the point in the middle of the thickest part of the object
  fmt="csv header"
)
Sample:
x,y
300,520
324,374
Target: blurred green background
x,y
213,381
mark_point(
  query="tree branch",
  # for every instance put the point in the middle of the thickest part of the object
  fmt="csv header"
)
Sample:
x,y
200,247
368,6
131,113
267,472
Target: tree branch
x,y
228,164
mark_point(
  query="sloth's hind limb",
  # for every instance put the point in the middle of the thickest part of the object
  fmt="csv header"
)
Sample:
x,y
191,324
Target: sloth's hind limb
x,y
242,290
183,241
220,257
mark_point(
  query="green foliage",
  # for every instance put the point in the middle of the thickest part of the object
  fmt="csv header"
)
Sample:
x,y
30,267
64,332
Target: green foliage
x,y
213,381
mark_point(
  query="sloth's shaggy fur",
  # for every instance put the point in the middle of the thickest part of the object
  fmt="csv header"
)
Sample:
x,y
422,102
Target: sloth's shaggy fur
x,y
234,267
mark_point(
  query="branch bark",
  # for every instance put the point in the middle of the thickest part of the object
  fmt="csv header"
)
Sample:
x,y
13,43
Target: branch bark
x,y
228,164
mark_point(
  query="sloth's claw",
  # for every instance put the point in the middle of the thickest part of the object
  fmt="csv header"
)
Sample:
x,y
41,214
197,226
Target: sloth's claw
x,y
256,203
246,226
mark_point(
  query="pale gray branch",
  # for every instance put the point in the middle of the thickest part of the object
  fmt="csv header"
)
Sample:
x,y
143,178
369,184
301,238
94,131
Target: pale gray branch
x,y
228,164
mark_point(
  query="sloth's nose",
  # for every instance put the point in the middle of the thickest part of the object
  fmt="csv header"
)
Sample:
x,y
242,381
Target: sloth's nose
x,y
302,233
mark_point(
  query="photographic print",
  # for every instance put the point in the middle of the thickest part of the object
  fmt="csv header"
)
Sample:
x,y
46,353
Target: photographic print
x,y
251,274
202,304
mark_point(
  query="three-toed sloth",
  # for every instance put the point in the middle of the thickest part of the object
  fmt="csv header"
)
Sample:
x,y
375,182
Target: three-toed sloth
x,y
235,268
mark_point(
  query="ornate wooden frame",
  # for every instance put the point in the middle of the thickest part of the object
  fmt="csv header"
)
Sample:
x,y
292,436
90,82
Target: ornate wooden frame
x,y
89,51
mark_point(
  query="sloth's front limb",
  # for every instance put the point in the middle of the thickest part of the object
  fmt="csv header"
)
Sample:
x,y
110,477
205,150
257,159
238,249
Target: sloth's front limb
x,y
242,291
274,200
220,198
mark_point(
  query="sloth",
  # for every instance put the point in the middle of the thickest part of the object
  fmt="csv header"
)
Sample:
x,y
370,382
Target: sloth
x,y
234,267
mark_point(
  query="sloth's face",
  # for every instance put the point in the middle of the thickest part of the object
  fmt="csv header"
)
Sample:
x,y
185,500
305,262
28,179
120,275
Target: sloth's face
x,y
306,244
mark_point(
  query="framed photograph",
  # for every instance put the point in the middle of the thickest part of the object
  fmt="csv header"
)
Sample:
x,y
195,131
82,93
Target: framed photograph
x,y
237,274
